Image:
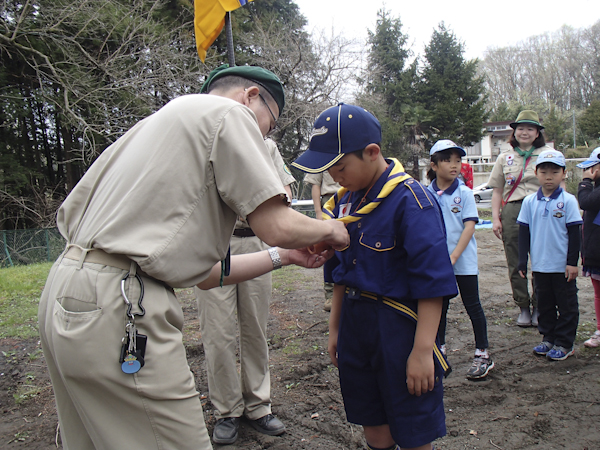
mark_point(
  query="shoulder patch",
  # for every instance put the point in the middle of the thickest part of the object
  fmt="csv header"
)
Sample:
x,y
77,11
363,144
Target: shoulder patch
x,y
422,197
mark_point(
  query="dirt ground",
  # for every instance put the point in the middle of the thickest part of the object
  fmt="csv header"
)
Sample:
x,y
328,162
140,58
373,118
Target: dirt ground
x,y
525,403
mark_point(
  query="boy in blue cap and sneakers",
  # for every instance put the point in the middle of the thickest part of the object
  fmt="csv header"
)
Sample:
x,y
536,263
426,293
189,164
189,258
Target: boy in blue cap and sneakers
x,y
549,231
389,284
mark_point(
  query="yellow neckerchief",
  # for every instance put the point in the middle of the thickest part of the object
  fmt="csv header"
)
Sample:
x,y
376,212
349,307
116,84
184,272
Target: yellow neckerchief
x,y
395,177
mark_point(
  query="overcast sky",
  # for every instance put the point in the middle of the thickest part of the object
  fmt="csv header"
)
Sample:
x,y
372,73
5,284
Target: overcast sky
x,y
478,24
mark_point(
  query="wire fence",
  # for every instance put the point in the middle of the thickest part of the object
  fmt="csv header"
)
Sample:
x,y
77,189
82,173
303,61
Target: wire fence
x,y
21,247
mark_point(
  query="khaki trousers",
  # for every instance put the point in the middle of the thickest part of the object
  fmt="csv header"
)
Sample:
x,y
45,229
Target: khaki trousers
x,y
510,239
222,311
82,320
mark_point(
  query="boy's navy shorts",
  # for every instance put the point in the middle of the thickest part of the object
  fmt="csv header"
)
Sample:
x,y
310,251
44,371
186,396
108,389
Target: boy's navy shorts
x,y
374,343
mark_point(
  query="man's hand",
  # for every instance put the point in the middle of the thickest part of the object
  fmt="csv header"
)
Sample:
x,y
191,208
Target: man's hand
x,y
571,273
339,238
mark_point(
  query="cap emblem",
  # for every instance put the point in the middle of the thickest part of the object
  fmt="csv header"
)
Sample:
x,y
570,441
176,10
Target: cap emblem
x,y
318,132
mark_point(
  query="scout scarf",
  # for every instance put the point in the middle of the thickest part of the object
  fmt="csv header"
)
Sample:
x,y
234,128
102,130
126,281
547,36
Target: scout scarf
x,y
525,154
395,177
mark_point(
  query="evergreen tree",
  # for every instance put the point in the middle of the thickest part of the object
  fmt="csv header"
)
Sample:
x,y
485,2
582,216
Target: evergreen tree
x,y
451,90
589,122
388,82
555,126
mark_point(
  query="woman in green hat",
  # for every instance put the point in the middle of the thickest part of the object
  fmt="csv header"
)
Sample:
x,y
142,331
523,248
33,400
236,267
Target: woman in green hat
x,y
513,178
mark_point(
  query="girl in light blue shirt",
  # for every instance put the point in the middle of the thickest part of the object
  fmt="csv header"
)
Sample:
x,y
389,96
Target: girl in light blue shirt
x,y
460,216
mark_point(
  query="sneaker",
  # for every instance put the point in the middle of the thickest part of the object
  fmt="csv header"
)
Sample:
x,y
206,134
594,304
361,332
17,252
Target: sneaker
x,y
543,348
559,353
594,341
524,319
268,424
327,304
534,317
480,368
226,430
443,349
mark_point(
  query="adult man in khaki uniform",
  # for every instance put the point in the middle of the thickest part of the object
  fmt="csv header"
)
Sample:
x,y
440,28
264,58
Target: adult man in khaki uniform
x,y
156,211
323,187
249,393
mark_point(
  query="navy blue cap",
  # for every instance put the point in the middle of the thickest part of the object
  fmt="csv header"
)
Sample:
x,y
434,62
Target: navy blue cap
x,y
446,144
337,131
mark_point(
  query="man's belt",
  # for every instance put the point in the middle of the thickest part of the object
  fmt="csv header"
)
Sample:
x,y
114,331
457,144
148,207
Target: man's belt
x,y
243,232
98,256
355,294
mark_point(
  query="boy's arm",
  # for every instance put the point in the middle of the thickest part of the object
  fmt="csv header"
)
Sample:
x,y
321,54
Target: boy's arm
x,y
334,321
572,271
420,370
524,246
463,241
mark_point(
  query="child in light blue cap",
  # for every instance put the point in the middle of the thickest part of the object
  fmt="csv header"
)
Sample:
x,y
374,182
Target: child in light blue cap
x,y
588,194
549,232
460,216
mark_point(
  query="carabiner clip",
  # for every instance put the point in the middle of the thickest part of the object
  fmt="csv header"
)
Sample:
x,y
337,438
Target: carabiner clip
x,y
127,302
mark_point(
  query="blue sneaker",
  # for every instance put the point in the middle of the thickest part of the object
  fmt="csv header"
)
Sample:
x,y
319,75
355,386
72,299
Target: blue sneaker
x,y
559,353
543,348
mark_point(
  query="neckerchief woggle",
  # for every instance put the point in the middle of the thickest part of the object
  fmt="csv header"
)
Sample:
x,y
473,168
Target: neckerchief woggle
x,y
395,177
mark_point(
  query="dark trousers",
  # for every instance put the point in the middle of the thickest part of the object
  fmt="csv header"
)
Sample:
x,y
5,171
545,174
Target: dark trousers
x,y
558,308
468,286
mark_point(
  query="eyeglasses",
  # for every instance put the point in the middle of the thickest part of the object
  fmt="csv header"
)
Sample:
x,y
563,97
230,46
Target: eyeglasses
x,y
271,130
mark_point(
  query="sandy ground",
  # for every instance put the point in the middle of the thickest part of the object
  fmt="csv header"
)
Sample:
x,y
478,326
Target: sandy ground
x,y
526,402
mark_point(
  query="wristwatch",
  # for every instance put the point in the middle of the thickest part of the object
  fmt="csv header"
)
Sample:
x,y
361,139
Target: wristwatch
x,y
275,258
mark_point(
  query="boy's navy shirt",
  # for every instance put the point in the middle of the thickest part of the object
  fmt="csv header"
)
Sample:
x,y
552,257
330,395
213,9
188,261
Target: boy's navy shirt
x,y
548,219
399,249
458,206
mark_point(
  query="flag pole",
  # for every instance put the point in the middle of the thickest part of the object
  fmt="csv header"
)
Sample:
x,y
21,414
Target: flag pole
x,y
229,34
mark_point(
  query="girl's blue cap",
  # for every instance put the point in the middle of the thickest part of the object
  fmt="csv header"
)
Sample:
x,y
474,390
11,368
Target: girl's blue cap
x,y
446,144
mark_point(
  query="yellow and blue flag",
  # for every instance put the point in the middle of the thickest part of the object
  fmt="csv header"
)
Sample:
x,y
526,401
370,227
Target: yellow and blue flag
x,y
209,18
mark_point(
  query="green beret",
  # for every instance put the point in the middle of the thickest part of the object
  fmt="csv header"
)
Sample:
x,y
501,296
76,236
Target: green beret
x,y
260,76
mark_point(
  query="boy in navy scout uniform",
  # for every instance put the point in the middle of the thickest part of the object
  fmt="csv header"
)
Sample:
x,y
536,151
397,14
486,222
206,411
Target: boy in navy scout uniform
x,y
389,284
549,230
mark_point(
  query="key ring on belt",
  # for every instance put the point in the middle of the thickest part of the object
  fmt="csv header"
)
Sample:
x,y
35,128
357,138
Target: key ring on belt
x,y
129,305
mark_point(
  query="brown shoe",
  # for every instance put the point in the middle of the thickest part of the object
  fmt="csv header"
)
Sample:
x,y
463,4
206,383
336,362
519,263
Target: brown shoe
x,y
327,305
